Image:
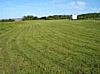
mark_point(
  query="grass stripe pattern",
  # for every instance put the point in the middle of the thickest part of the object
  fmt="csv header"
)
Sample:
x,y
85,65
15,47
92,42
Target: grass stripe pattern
x,y
50,47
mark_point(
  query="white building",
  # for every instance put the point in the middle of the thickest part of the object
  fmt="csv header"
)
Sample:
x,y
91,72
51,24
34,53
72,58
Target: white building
x,y
74,17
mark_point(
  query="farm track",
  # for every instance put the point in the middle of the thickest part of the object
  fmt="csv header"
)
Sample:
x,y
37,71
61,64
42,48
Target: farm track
x,y
39,47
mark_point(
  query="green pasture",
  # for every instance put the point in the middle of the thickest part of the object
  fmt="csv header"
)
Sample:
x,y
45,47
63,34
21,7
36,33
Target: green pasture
x,y
50,47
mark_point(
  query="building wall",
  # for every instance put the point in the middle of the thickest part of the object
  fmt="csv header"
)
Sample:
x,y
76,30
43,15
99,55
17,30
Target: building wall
x,y
74,17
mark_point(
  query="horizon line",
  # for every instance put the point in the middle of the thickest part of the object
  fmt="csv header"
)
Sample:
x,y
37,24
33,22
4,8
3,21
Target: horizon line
x,y
45,15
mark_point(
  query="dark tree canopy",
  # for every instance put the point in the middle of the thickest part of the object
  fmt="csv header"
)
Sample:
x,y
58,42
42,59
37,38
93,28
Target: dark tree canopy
x,y
7,20
89,16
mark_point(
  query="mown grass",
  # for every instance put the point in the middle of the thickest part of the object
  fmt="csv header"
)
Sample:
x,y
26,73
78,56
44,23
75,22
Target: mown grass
x,y
50,47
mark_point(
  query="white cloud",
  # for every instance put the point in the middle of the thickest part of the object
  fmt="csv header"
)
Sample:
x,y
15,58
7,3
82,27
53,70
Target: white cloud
x,y
97,10
81,3
78,4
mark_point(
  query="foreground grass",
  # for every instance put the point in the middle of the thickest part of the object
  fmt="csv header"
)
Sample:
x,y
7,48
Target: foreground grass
x,y
50,47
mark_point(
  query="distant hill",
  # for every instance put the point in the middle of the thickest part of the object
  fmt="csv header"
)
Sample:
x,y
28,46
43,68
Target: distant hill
x,y
89,16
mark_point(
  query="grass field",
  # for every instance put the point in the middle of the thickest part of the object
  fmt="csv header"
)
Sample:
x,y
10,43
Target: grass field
x,y
50,47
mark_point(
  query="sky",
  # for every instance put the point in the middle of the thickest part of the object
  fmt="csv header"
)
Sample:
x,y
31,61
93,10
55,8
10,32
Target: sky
x,y
19,8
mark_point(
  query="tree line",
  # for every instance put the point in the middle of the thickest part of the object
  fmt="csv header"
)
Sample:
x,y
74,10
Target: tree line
x,y
7,20
95,16
55,17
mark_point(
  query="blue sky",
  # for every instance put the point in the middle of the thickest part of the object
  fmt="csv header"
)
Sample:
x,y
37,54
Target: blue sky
x,y
19,8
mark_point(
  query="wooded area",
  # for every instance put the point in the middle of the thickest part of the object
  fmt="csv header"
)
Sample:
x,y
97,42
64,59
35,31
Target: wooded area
x,y
94,16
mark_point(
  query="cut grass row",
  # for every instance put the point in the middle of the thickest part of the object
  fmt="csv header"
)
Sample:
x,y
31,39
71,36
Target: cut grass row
x,y
50,47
